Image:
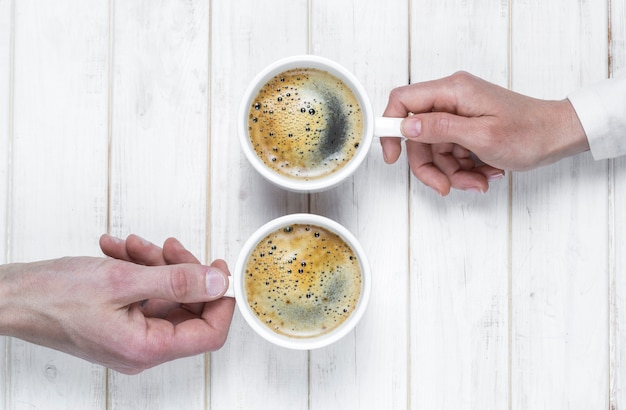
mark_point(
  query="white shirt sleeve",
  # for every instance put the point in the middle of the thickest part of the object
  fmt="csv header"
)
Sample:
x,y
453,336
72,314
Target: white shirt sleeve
x,y
601,109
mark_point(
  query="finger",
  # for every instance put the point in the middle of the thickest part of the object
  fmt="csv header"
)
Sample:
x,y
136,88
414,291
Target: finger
x,y
414,98
441,127
174,252
194,335
159,308
183,283
215,312
420,158
491,173
466,164
427,96
176,312
218,314
187,338
459,178
144,252
149,254
461,152
464,157
114,247
391,149
469,181
443,158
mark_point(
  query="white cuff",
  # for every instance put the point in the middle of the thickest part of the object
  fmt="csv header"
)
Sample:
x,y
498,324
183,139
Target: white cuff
x,y
601,109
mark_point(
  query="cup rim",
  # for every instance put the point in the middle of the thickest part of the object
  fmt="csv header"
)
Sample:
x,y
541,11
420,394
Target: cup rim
x,y
316,184
301,343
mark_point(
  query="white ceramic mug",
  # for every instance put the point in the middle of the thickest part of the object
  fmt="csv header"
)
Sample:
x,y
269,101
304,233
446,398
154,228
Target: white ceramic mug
x,y
237,287
372,126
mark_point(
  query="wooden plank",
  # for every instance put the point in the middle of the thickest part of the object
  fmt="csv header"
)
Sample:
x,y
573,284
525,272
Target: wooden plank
x,y
58,203
6,37
560,236
159,160
459,291
243,43
373,204
617,395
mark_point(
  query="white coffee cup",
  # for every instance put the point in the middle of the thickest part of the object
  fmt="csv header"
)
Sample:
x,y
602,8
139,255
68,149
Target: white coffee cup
x,y
237,287
372,126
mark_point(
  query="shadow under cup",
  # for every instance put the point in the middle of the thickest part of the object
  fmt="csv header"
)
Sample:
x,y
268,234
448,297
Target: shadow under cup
x,y
305,123
302,281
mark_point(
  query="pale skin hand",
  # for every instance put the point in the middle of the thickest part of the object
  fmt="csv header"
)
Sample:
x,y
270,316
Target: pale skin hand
x,y
96,309
454,120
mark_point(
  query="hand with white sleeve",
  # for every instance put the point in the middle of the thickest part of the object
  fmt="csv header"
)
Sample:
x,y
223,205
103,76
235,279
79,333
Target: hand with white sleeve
x,y
463,132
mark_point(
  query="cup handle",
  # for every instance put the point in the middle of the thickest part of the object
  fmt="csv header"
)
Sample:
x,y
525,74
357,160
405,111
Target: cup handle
x,y
230,292
388,127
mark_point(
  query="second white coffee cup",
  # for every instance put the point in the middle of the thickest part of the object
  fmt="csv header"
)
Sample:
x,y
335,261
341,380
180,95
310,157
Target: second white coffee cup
x,y
298,269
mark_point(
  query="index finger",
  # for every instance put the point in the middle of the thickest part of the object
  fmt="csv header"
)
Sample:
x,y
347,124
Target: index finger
x,y
418,98
407,100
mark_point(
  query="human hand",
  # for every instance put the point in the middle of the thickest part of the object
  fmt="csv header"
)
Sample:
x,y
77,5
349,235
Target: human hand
x,y
138,250
91,307
463,132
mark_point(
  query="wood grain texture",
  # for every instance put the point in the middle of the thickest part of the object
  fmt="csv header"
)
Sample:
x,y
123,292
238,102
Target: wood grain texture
x,y
122,116
617,226
159,144
373,205
459,244
6,37
559,223
58,196
243,43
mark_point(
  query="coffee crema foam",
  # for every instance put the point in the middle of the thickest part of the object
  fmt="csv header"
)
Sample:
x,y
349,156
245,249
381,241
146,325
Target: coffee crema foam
x,y
305,123
302,281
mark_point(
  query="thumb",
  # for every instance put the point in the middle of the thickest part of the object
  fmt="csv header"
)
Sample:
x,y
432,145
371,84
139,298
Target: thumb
x,y
439,127
182,283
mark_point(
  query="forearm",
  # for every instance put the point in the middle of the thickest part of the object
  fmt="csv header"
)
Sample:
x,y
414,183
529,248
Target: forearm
x,y
8,300
24,301
567,136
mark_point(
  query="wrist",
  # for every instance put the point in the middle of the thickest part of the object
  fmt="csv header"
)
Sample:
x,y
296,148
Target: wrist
x,y
14,294
7,302
570,138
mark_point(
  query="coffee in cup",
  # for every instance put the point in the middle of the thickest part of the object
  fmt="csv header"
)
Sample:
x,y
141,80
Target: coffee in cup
x,y
301,281
305,123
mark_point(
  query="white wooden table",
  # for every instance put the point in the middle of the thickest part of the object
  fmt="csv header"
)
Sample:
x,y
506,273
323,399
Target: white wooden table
x,y
119,116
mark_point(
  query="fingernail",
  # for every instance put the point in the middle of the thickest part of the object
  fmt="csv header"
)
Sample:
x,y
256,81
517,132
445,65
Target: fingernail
x,y
495,177
215,282
476,190
115,239
412,127
417,127
144,241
